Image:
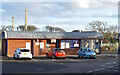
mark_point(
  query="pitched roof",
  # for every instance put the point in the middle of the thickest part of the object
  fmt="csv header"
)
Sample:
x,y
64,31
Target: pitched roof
x,y
55,35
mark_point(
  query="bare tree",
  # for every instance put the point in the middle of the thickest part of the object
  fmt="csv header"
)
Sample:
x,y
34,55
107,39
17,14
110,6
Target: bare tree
x,y
53,29
6,28
97,26
108,31
29,28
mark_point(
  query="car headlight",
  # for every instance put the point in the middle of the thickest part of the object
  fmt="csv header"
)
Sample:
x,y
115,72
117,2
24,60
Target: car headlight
x,y
94,54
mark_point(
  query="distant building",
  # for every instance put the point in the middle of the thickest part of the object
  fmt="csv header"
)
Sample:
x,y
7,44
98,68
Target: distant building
x,y
40,42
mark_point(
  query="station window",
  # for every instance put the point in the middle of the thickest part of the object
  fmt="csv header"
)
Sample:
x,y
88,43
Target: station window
x,y
69,44
51,41
48,41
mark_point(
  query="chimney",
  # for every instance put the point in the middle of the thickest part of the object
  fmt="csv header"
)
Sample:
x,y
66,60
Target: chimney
x,y
26,19
12,23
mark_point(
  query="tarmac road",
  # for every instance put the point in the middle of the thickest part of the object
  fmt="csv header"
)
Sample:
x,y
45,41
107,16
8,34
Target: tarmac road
x,y
68,65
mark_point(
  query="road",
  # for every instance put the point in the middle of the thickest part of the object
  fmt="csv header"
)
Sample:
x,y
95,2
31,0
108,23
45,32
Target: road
x,y
68,65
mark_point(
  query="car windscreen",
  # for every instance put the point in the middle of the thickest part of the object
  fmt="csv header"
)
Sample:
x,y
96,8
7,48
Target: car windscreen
x,y
58,50
87,50
24,50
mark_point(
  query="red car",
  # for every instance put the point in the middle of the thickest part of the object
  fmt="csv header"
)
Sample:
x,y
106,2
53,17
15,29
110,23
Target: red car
x,y
56,53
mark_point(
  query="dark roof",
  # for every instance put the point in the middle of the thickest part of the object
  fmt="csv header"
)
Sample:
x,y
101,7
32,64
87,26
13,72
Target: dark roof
x,y
55,35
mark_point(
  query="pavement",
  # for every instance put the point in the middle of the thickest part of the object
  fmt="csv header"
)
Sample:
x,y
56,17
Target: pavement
x,y
72,58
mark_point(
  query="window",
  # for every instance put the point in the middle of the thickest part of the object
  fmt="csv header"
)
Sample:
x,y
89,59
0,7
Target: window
x,y
28,45
24,50
36,40
53,40
62,45
76,45
70,43
48,41
67,45
81,49
41,45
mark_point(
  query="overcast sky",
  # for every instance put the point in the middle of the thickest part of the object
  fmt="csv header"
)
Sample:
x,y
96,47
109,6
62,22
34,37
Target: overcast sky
x,y
68,15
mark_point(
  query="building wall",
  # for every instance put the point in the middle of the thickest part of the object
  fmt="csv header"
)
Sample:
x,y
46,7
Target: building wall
x,y
10,45
42,51
4,47
71,50
14,44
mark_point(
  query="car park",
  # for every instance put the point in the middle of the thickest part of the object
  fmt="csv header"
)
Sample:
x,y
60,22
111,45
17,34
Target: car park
x,y
56,53
86,53
22,53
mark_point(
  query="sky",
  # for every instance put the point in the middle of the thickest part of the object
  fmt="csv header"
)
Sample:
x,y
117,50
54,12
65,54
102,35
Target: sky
x,y
68,14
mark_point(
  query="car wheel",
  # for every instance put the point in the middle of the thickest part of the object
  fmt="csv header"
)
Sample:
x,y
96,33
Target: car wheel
x,y
53,56
63,57
78,56
84,57
47,55
30,58
14,56
17,57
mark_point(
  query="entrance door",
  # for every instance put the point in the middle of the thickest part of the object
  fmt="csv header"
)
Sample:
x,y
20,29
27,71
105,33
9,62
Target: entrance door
x,y
28,45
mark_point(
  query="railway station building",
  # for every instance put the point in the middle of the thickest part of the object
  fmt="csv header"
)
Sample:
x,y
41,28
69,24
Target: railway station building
x,y
40,42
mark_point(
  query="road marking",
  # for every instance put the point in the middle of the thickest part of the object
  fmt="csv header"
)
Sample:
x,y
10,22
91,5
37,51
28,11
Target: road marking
x,y
97,69
116,70
114,62
103,65
54,60
102,68
108,63
39,69
89,71
112,66
34,60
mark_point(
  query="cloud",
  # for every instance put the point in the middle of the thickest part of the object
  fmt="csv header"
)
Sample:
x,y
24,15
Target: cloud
x,y
63,14
2,10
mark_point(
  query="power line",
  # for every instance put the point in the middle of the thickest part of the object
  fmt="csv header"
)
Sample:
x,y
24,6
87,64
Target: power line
x,y
112,2
108,3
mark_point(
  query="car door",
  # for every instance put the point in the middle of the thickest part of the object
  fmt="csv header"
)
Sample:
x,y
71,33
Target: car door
x,y
82,52
51,53
17,51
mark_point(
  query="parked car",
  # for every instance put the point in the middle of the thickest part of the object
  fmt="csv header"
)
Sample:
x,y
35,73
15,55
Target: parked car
x,y
86,53
22,53
56,53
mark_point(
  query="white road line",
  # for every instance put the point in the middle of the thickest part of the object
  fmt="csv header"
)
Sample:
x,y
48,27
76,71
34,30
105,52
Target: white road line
x,y
53,60
34,60
101,68
110,67
114,62
103,65
116,70
97,69
89,71
108,63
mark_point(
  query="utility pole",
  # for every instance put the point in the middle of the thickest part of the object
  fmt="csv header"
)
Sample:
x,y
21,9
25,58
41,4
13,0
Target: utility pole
x,y
26,19
12,23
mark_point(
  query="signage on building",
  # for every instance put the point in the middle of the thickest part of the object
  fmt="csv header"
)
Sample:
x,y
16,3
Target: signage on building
x,y
41,45
76,45
53,40
67,45
47,45
28,45
36,43
62,45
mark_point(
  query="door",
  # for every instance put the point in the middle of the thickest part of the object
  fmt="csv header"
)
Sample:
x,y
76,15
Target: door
x,y
82,52
28,45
